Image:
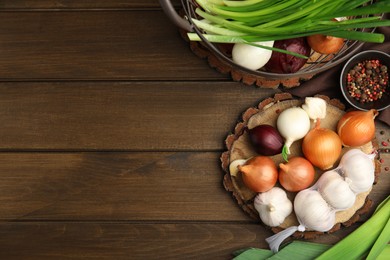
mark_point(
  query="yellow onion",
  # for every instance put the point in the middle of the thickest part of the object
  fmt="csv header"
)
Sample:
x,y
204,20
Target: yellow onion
x,y
259,173
357,128
296,174
322,147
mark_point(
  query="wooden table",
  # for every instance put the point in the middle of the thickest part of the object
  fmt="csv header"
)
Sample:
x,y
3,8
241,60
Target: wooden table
x,y
111,135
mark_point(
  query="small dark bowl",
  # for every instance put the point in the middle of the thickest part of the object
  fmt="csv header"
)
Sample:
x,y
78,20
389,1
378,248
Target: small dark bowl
x,y
384,101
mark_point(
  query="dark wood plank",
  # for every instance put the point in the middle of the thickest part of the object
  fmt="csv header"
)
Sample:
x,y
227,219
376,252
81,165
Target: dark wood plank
x,y
115,186
122,116
97,45
122,187
39,240
81,4
126,241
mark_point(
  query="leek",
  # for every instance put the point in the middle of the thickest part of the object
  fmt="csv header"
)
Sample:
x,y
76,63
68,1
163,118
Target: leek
x,y
358,243
380,243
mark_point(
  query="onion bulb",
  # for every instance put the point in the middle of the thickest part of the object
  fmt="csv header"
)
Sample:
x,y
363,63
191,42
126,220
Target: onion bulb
x,y
259,173
293,124
266,140
322,147
251,57
325,44
296,174
286,63
357,128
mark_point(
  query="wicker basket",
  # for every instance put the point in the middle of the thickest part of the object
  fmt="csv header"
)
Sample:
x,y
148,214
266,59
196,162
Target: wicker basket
x,y
222,61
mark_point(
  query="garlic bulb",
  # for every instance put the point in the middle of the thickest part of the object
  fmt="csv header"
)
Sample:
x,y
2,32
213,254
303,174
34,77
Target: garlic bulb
x,y
313,211
315,107
273,206
335,190
358,170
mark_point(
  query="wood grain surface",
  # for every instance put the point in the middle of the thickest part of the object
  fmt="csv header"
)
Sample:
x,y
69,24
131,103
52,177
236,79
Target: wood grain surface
x,y
111,135
82,4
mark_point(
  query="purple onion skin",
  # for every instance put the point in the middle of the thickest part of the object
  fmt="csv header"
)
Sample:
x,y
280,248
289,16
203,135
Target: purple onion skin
x,y
266,140
285,63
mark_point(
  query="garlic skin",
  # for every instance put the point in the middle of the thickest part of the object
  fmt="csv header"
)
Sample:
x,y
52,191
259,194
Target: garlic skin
x,y
273,206
233,166
358,170
315,107
335,190
313,211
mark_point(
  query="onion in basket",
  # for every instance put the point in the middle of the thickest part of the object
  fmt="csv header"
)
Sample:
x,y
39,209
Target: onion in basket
x,y
285,63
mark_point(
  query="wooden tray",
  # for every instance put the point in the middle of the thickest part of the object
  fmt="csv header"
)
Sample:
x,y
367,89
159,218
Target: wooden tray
x,y
239,147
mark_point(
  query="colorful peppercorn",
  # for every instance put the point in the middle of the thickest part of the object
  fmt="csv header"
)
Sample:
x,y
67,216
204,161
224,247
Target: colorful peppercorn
x,y
367,81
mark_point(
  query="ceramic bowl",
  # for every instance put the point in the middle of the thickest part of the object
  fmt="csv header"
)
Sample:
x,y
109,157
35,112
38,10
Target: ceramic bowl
x,y
379,104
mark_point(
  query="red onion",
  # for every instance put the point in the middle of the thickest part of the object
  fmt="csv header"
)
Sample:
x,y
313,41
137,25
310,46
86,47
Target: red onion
x,y
266,140
285,63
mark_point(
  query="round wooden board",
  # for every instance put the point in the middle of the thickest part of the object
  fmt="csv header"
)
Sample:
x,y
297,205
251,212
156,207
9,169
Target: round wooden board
x,y
239,147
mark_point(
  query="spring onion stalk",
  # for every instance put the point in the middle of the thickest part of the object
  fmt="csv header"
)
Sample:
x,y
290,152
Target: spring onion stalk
x,y
257,6
264,20
256,13
242,3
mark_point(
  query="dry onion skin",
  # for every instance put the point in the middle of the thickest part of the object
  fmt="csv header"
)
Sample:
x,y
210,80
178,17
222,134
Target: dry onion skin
x,y
322,147
296,174
357,128
325,44
259,173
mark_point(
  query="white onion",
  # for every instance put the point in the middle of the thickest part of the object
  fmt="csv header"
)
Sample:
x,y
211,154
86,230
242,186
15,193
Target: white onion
x,y
251,57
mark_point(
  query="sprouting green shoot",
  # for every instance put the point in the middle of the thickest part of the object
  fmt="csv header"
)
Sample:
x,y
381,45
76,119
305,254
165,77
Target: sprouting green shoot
x,y
285,153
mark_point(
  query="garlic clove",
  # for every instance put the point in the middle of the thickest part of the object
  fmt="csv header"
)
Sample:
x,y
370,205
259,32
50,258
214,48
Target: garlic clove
x,y
313,211
273,206
233,167
335,190
315,107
